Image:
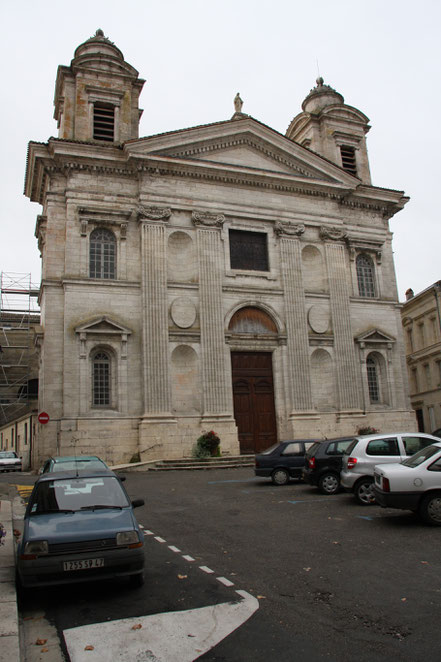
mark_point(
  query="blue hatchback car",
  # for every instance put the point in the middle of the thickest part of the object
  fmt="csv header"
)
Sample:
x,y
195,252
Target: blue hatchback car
x,y
80,526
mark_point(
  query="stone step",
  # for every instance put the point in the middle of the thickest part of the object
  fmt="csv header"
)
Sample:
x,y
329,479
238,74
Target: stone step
x,y
204,464
238,459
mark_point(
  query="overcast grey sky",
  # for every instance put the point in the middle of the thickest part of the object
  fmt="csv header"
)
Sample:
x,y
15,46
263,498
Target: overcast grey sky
x,y
382,56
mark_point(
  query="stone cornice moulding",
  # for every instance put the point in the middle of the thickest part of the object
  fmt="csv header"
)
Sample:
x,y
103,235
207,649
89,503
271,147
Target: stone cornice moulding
x,y
207,219
382,201
289,229
153,213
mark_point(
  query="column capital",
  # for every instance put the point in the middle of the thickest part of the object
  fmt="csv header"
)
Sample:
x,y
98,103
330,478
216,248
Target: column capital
x,y
152,213
286,228
207,219
332,233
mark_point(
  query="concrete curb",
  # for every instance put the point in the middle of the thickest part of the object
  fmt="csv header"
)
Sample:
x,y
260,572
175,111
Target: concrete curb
x,y
9,633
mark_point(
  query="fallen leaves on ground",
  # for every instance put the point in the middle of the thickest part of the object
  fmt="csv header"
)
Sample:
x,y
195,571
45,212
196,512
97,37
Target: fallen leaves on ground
x,y
89,648
40,642
182,576
138,626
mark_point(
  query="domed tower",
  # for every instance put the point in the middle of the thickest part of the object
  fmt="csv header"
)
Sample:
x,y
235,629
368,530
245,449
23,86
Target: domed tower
x,y
333,129
96,98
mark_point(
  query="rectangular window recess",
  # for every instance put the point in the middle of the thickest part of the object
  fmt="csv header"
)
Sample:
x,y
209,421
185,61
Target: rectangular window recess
x,y
248,250
103,122
348,159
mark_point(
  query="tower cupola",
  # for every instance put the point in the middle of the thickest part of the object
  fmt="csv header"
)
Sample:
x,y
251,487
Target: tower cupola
x,y
96,97
333,129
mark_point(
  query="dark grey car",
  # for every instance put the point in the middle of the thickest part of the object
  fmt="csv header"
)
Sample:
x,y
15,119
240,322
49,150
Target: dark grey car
x,y
283,461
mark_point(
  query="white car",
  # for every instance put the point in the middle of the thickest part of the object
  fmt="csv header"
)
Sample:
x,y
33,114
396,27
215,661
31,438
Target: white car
x,y
414,484
9,461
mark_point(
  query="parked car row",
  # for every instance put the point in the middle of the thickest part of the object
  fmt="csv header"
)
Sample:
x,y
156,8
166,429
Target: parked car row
x,y
375,468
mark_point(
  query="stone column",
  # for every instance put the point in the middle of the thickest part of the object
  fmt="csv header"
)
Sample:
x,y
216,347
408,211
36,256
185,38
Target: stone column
x,y
214,384
348,377
299,369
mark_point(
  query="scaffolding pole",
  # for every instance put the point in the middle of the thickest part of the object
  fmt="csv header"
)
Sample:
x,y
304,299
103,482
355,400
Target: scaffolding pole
x,y
19,314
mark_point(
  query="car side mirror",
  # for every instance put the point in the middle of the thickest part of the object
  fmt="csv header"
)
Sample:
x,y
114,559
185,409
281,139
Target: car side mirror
x,y
137,502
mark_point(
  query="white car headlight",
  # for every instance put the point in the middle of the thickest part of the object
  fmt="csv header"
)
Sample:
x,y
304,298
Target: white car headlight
x,y
37,547
127,538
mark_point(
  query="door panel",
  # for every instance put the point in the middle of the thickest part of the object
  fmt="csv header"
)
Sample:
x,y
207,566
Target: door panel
x,y
253,395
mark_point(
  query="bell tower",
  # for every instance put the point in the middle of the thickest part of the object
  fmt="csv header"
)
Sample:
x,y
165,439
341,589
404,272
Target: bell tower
x,y
96,97
334,130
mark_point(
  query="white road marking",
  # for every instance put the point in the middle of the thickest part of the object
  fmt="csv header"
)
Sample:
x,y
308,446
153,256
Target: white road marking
x,y
209,571
149,533
225,581
188,558
173,548
159,539
180,636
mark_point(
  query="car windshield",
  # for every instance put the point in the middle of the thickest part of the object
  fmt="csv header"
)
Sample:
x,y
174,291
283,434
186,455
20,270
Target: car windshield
x,y
78,465
421,456
72,494
7,455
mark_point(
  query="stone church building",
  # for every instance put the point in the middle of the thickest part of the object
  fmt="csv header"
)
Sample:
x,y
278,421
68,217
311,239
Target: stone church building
x,y
223,276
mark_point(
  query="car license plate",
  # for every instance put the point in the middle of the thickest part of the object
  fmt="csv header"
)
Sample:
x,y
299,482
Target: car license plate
x,y
84,564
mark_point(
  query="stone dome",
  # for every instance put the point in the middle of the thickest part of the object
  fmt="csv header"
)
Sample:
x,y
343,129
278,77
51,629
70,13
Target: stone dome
x,y
98,44
321,96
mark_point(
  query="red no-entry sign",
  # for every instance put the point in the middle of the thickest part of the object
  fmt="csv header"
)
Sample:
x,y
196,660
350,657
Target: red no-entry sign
x,y
43,418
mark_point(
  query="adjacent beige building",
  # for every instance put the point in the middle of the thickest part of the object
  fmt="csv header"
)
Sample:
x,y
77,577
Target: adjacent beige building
x,y
421,316
222,277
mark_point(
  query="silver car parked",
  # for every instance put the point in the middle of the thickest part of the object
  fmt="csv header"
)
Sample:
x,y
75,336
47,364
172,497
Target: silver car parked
x,y
366,451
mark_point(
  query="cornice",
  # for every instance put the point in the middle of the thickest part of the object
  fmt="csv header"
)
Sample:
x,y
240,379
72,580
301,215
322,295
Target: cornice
x,y
42,164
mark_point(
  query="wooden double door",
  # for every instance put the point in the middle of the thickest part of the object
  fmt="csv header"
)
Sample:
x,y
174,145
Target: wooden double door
x,y
253,395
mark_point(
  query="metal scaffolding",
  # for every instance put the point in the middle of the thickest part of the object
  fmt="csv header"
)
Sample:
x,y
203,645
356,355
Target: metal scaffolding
x,y
19,315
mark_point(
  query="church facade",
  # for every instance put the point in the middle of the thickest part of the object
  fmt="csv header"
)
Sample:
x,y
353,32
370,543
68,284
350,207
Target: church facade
x,y
222,277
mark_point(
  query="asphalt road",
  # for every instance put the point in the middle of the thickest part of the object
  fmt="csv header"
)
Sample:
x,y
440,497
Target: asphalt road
x,y
335,581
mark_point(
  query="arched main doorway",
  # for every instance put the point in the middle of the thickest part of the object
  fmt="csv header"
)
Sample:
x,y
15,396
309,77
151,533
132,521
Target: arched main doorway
x,y
253,387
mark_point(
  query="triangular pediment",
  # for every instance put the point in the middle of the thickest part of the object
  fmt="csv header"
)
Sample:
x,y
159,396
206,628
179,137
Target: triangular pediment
x,y
241,146
374,336
103,325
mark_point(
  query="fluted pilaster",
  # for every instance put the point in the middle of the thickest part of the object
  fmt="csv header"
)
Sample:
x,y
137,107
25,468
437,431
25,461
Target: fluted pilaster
x,y
296,327
345,359
155,325
212,326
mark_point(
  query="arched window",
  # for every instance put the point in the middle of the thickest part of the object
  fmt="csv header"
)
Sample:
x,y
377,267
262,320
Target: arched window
x,y
373,380
101,392
102,262
365,276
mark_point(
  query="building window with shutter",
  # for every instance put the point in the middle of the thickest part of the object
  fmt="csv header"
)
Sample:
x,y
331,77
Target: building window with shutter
x,y
102,257
103,121
365,276
101,392
348,160
248,250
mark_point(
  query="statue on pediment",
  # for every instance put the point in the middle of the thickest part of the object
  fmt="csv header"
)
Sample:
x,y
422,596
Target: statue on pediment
x,y
238,103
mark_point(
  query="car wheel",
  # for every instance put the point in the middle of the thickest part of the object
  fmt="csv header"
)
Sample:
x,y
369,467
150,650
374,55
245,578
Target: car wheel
x,y
329,484
280,477
137,580
364,492
430,509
